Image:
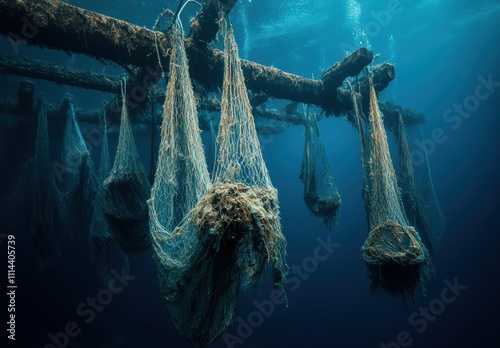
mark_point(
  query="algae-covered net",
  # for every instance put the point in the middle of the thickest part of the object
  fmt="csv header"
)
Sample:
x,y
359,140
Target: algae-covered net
x,y
320,193
126,191
105,251
396,258
211,243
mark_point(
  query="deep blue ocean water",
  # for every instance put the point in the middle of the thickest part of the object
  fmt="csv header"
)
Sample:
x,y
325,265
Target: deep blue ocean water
x,y
443,51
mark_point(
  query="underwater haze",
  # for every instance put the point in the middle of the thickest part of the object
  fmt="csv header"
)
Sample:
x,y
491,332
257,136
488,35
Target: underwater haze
x,y
447,59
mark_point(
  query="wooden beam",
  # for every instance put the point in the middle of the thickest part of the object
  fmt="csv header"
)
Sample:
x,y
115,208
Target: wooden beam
x,y
204,27
54,24
59,74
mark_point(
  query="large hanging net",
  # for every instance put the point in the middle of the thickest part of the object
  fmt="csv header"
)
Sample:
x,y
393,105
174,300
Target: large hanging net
x,y
414,207
76,186
320,193
180,181
232,230
105,251
126,190
44,200
396,258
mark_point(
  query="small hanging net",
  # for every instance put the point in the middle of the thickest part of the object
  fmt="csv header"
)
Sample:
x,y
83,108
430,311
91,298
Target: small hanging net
x,y
105,251
218,239
413,206
126,190
76,188
396,258
44,200
320,193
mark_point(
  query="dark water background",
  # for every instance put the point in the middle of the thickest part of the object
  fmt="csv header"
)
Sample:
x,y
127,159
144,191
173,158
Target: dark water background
x,y
440,49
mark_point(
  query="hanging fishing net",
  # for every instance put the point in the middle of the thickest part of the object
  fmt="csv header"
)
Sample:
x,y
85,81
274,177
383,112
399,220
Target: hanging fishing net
x,y
76,182
126,190
412,204
105,251
218,239
44,199
396,258
320,193
181,180
429,202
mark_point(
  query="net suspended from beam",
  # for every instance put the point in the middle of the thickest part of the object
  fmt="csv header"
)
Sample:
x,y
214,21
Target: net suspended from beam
x,y
76,182
413,206
217,238
396,258
320,193
45,207
180,181
126,191
104,249
428,198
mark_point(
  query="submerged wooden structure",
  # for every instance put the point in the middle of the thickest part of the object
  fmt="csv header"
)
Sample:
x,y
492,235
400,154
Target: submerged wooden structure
x,y
61,26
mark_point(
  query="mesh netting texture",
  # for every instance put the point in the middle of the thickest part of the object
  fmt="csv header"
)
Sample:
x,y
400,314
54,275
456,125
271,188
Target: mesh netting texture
x,y
45,206
396,258
406,180
320,193
126,191
217,238
76,188
428,200
104,249
180,182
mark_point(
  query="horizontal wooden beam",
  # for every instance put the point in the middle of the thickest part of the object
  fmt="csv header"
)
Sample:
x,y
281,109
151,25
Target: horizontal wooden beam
x,y
58,25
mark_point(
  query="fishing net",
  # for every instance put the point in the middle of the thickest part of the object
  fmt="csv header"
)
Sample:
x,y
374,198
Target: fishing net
x,y
429,202
409,194
126,190
231,230
76,186
181,180
105,251
396,258
44,199
320,193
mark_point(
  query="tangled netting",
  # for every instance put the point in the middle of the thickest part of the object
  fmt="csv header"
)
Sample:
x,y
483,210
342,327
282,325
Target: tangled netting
x,y
126,191
76,183
44,201
396,258
217,238
105,251
320,193
415,206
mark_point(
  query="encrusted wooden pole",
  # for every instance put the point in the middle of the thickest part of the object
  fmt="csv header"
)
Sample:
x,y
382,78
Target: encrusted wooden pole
x,y
57,25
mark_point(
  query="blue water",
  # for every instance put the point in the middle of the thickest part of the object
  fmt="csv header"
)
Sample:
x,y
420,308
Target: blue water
x,y
442,51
